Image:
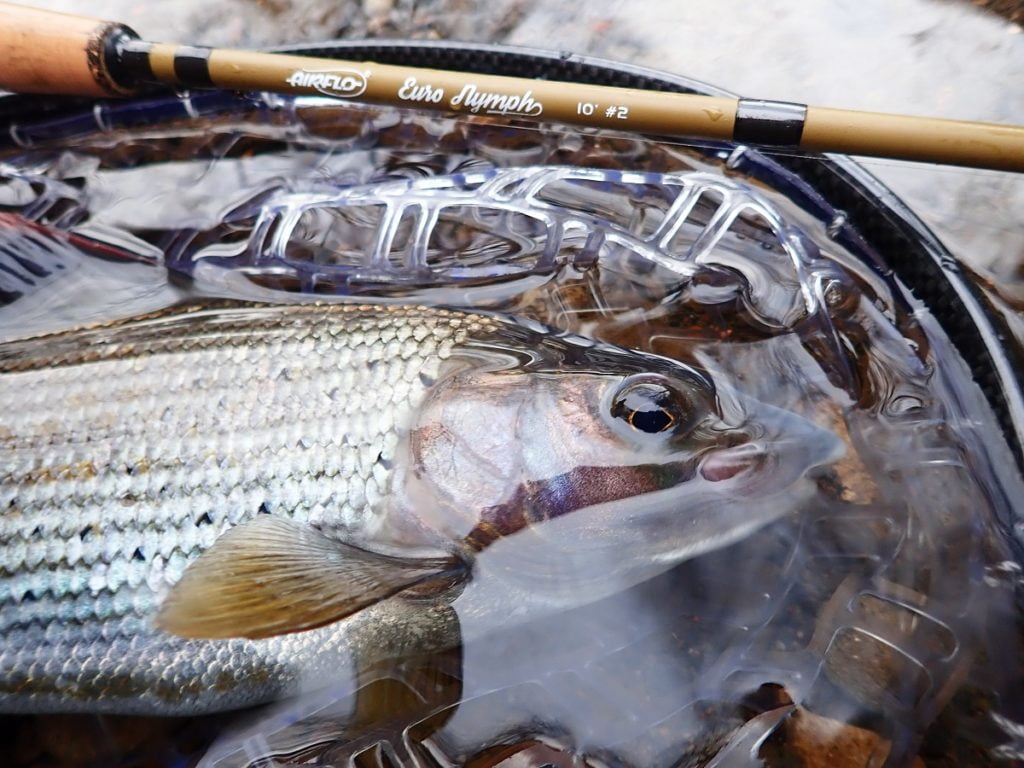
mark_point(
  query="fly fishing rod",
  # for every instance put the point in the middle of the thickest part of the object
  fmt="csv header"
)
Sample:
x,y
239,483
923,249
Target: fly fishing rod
x,y
48,52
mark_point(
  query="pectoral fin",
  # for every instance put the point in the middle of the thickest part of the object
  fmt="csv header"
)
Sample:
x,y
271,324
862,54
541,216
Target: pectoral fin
x,y
271,576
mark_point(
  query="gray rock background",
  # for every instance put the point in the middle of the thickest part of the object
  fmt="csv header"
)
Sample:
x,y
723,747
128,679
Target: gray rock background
x,y
944,58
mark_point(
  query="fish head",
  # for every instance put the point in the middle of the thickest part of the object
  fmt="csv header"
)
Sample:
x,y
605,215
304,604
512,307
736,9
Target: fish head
x,y
579,459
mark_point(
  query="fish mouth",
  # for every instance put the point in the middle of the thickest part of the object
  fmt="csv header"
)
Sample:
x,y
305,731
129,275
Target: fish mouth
x,y
730,463
787,447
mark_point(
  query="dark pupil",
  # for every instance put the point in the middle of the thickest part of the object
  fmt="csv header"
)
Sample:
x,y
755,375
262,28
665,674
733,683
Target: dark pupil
x,y
647,407
651,421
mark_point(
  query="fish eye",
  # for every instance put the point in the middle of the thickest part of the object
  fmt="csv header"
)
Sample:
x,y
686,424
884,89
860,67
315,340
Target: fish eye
x,y
650,406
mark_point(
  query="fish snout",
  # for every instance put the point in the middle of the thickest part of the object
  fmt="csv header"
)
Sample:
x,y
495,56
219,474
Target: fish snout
x,y
783,448
732,462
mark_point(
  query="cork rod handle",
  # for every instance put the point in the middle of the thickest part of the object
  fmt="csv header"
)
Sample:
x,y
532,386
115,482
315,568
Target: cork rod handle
x,y
49,52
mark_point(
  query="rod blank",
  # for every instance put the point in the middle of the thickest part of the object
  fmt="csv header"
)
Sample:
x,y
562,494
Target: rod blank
x,y
47,52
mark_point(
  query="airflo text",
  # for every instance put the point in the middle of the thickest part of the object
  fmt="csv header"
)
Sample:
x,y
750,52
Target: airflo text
x,y
472,99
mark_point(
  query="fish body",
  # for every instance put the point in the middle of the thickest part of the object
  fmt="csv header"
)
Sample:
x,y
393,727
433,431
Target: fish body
x,y
130,450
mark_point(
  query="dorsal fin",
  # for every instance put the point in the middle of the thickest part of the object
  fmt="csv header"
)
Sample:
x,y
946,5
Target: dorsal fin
x,y
271,576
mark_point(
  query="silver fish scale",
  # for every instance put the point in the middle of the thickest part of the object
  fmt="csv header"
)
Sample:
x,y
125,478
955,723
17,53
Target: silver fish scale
x,y
128,449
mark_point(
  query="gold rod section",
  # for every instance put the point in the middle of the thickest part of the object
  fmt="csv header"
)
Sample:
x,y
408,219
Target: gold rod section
x,y
932,140
924,139
47,52
161,62
441,90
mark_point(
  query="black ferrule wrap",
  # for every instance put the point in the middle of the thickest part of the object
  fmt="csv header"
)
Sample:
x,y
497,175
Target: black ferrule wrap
x,y
118,74
773,123
128,61
192,66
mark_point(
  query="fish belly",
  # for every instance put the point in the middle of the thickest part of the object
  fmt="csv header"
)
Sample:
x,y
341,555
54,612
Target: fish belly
x,y
125,451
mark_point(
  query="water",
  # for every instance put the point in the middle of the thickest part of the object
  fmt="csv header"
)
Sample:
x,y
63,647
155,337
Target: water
x,y
880,617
